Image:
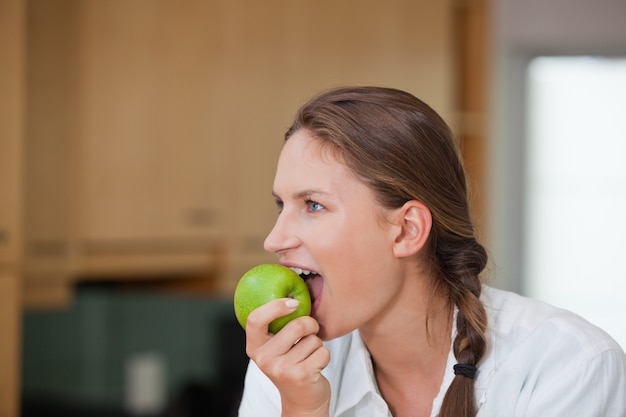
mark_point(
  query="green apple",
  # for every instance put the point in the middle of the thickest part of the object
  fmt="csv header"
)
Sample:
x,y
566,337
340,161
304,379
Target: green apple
x,y
265,283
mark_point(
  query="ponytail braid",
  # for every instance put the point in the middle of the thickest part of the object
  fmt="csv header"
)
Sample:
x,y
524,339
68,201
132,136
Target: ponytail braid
x,y
460,265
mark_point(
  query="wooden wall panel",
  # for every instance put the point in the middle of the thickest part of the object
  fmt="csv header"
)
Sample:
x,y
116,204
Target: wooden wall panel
x,y
472,54
11,129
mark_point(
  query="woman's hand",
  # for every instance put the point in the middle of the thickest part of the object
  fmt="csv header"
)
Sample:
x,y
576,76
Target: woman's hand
x,y
292,359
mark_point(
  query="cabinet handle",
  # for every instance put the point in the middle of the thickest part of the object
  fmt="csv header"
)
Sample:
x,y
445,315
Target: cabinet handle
x,y
201,217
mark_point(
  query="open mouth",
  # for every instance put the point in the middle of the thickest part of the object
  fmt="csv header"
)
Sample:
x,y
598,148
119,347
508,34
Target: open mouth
x,y
313,281
304,273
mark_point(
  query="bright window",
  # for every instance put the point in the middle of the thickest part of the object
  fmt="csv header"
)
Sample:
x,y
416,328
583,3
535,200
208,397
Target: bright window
x,y
575,196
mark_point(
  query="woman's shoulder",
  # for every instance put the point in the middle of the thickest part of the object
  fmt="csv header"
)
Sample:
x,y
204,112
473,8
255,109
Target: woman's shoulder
x,y
543,360
516,318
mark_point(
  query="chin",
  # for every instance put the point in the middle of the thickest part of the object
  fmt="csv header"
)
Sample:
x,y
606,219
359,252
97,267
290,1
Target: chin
x,y
327,334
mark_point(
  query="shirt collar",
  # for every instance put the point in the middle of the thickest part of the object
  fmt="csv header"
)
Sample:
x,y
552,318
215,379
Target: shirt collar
x,y
358,379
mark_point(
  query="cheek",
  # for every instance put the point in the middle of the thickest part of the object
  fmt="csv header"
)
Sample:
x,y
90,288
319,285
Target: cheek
x,y
353,251
352,298
358,264
356,244
369,266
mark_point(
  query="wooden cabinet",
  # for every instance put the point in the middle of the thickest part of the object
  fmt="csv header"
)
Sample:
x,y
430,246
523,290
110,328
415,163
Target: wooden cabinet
x,y
124,161
11,113
49,146
11,134
141,137
472,21
152,153
153,128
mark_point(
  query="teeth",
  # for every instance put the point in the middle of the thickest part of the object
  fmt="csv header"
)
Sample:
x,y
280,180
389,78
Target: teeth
x,y
301,271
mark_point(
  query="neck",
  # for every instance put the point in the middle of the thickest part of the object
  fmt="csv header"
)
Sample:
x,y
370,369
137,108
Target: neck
x,y
409,345
414,327
413,339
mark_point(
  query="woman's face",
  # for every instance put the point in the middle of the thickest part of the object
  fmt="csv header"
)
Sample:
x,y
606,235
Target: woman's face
x,y
331,225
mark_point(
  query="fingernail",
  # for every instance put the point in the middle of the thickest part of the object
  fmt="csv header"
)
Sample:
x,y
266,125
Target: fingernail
x,y
292,303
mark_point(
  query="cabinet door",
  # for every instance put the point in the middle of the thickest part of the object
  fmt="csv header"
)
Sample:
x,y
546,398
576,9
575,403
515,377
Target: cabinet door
x,y
51,84
151,150
177,111
11,128
11,140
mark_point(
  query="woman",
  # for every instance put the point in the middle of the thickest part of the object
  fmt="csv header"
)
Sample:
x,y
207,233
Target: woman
x,y
373,212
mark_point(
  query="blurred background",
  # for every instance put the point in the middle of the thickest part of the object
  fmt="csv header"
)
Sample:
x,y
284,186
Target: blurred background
x,y
138,141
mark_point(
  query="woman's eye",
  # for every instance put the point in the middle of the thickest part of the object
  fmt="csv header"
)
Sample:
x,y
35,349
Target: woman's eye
x,y
314,206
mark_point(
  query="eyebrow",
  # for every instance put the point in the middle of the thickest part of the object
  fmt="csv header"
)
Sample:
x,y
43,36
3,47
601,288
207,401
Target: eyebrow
x,y
305,194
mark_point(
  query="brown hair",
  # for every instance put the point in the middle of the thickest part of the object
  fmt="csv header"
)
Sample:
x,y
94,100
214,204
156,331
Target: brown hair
x,y
404,150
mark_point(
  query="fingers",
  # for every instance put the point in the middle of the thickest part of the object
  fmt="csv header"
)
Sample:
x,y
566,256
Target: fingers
x,y
257,333
312,355
304,348
261,317
298,377
296,342
292,359
293,343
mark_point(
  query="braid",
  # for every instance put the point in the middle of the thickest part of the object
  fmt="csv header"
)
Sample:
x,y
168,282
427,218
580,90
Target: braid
x,y
460,265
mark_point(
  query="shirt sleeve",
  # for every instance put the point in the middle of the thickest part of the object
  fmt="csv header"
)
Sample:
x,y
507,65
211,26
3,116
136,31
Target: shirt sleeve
x,y
555,373
594,386
260,397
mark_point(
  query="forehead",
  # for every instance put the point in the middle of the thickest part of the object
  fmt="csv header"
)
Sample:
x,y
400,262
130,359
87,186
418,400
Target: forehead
x,y
306,145
306,161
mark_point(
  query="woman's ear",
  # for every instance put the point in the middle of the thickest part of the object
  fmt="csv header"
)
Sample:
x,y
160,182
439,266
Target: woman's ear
x,y
413,222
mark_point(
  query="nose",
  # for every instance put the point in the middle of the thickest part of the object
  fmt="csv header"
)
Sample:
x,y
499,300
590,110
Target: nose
x,y
282,236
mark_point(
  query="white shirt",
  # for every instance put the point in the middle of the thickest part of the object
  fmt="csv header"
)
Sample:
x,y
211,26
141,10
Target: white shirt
x,y
540,361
